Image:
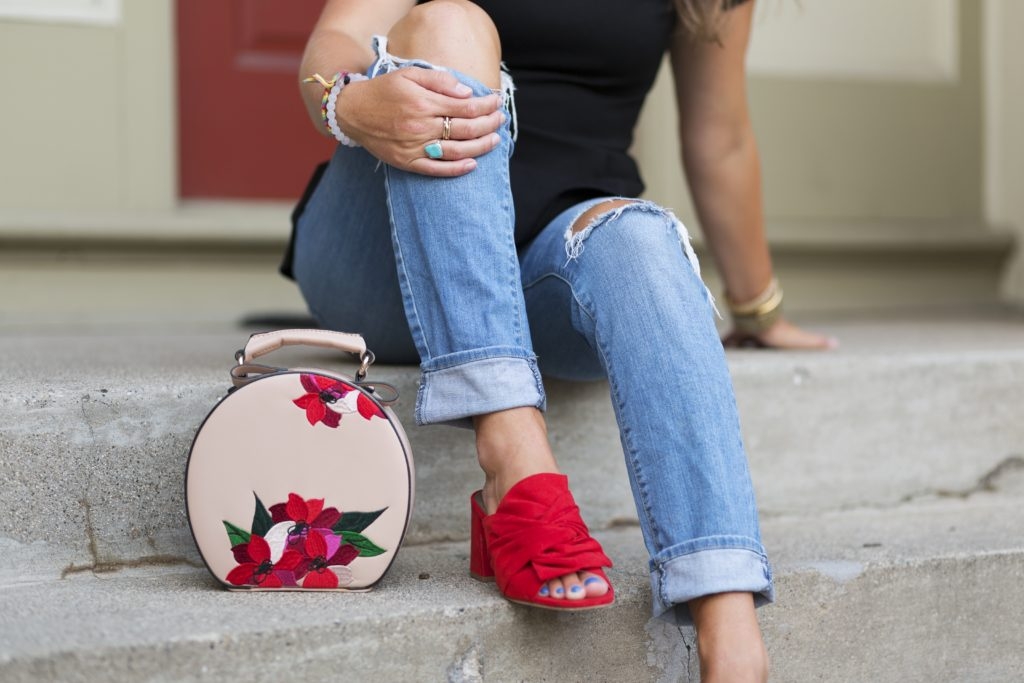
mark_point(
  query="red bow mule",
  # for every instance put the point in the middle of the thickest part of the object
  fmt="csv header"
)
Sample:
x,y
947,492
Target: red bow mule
x,y
534,536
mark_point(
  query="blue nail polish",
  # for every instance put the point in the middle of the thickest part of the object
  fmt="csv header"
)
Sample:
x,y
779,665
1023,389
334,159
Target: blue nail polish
x,y
559,590
543,590
592,579
576,589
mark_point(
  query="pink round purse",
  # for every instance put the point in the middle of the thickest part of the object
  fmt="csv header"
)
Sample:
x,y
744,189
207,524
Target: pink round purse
x,y
300,479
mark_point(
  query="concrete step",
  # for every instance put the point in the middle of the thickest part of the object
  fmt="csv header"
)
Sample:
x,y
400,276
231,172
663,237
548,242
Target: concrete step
x,y
921,591
95,425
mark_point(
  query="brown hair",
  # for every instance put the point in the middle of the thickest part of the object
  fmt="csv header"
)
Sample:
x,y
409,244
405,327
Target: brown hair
x,y
701,19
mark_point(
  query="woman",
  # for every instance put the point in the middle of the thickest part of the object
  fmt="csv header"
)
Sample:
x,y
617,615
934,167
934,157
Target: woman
x,y
487,271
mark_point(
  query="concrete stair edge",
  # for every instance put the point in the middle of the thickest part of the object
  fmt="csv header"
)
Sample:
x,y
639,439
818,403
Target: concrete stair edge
x,y
925,603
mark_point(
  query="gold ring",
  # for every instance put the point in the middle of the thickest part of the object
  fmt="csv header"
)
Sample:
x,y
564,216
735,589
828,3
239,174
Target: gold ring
x,y
446,131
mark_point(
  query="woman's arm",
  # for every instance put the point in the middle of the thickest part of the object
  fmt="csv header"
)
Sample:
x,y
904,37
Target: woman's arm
x,y
394,115
722,165
340,41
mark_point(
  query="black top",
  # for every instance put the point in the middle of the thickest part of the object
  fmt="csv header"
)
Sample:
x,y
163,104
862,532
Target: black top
x,y
582,69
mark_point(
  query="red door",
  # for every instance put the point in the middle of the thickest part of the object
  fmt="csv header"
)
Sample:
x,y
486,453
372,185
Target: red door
x,y
243,131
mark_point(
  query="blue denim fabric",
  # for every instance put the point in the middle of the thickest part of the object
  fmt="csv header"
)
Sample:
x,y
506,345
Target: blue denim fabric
x,y
426,269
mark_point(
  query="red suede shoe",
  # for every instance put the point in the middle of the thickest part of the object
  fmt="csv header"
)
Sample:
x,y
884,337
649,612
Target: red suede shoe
x,y
535,535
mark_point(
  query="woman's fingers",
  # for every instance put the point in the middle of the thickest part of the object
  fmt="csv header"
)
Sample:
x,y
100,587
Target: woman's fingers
x,y
447,96
454,150
454,155
442,169
471,108
452,97
468,129
440,82
397,115
782,335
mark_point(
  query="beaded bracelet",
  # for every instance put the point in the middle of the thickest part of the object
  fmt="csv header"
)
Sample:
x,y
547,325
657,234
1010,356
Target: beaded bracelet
x,y
340,81
328,105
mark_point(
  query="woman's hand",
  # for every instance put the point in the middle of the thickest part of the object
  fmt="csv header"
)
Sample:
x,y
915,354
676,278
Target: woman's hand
x,y
782,335
393,116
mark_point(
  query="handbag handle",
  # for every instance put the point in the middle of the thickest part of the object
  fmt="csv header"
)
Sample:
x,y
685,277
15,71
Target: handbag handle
x,y
265,342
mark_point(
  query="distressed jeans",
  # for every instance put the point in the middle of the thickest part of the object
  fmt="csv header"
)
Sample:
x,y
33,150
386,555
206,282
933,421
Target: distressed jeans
x,y
427,270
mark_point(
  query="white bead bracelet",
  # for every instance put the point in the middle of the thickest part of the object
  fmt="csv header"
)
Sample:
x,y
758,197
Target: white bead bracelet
x,y
340,81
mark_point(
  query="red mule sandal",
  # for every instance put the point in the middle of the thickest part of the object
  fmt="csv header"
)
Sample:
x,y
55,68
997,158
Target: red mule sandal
x,y
535,535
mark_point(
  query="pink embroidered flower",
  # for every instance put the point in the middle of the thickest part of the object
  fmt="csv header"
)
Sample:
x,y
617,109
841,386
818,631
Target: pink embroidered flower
x,y
255,567
320,552
322,394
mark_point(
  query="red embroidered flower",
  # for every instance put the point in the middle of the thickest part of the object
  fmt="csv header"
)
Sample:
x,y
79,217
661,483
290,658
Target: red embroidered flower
x,y
319,553
322,393
304,515
367,408
286,567
327,400
254,565
308,513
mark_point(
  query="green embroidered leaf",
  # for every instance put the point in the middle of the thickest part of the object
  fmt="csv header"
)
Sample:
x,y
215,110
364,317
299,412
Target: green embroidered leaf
x,y
356,521
261,520
236,535
367,548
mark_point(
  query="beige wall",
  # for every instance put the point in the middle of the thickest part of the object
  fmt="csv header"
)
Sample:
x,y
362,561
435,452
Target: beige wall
x,y
88,112
1004,171
832,148
851,146
890,137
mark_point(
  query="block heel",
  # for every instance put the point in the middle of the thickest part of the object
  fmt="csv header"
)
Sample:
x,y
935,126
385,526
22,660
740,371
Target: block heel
x,y
479,563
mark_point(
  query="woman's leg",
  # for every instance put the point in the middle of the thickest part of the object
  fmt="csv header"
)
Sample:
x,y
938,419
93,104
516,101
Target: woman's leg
x,y
459,274
344,263
612,289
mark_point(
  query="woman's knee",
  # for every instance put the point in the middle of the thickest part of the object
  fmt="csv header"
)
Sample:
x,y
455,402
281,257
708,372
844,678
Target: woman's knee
x,y
456,18
632,225
452,33
596,211
636,252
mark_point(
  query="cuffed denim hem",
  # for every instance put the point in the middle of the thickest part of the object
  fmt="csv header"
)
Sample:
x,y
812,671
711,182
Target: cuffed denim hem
x,y
460,385
705,566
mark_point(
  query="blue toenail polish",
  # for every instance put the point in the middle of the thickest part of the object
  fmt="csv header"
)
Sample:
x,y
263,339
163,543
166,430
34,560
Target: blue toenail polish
x,y
592,579
576,589
543,590
559,591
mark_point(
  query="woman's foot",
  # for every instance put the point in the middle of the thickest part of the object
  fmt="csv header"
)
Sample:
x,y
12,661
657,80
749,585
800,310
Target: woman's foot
x,y
512,445
729,641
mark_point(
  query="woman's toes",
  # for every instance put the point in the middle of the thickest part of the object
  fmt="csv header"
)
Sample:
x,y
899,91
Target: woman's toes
x,y
556,589
593,584
574,589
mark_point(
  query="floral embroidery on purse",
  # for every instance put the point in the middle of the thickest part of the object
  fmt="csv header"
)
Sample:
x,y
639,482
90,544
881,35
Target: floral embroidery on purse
x,y
280,434
324,401
299,544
